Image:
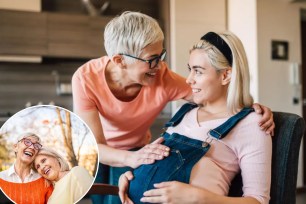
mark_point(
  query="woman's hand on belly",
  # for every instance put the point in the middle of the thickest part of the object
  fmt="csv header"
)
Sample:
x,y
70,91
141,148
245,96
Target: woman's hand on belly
x,y
172,192
123,184
148,154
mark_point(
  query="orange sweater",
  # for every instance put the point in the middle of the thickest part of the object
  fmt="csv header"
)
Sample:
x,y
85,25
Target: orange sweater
x,y
27,193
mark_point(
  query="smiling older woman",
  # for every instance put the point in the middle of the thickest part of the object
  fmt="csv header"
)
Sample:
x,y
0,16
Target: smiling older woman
x,y
69,185
20,183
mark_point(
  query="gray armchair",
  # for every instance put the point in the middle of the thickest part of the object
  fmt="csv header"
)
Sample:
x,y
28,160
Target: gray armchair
x,y
286,145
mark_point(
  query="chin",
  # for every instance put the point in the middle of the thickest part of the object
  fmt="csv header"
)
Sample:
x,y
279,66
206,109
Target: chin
x,y
27,160
197,101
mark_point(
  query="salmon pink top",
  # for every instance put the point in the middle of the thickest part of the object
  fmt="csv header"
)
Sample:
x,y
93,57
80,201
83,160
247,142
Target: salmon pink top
x,y
125,124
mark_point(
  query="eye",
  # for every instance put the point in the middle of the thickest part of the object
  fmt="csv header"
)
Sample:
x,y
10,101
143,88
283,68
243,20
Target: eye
x,y
37,146
27,142
43,160
37,166
197,71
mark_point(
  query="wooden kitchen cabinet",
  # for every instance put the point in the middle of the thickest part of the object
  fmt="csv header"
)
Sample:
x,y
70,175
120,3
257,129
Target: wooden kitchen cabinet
x,y
96,36
77,36
22,33
51,34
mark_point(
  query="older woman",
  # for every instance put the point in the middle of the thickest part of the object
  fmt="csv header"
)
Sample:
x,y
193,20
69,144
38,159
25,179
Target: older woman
x,y
69,185
20,183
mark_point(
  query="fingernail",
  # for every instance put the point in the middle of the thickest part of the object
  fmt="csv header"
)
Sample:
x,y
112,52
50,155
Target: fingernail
x,y
166,153
167,148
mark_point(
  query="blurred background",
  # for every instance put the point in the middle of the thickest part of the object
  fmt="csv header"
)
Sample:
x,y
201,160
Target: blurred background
x,y
58,129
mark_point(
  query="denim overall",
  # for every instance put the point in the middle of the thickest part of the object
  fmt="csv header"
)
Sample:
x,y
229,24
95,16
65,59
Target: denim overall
x,y
184,154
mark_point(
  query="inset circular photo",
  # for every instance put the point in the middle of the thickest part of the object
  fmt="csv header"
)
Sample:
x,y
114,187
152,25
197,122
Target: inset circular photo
x,y
47,155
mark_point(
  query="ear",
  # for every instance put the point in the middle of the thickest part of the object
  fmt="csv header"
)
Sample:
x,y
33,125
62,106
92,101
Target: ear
x,y
227,76
118,60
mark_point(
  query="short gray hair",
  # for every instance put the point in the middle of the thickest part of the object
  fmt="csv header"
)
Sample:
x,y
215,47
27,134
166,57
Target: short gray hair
x,y
26,135
130,32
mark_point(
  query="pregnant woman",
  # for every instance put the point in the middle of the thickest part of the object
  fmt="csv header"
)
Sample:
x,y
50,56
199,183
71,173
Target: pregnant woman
x,y
213,140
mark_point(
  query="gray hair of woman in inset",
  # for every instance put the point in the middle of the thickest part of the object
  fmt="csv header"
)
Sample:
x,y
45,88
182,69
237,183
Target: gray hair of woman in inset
x,y
52,153
129,33
238,93
26,135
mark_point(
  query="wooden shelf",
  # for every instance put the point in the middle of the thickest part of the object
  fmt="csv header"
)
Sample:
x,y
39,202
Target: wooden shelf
x,y
51,34
23,33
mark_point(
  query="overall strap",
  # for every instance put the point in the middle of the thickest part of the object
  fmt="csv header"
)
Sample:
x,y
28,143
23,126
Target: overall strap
x,y
222,130
179,115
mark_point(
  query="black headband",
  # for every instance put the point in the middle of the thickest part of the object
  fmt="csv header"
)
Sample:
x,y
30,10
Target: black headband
x,y
220,44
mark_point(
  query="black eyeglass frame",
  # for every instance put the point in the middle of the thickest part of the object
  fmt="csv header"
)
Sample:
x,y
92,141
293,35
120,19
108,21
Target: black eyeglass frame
x,y
161,57
25,140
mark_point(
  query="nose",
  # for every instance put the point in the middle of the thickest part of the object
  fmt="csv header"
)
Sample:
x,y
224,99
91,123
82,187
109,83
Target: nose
x,y
31,146
41,170
190,79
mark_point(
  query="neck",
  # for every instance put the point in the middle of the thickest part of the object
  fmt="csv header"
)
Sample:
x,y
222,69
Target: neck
x,y
117,76
122,87
215,106
61,175
22,169
211,111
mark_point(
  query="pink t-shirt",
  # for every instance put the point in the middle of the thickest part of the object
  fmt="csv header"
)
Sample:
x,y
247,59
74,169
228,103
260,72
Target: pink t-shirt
x,y
125,124
246,148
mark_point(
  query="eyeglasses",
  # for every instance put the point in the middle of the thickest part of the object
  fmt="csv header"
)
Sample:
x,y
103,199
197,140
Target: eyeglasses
x,y
152,62
28,143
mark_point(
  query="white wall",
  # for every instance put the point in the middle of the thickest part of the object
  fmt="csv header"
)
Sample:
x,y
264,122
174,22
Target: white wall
x,y
242,20
189,21
24,5
279,20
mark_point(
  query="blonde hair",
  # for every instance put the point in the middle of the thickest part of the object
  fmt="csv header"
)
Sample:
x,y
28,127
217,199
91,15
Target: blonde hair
x,y
238,93
51,153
